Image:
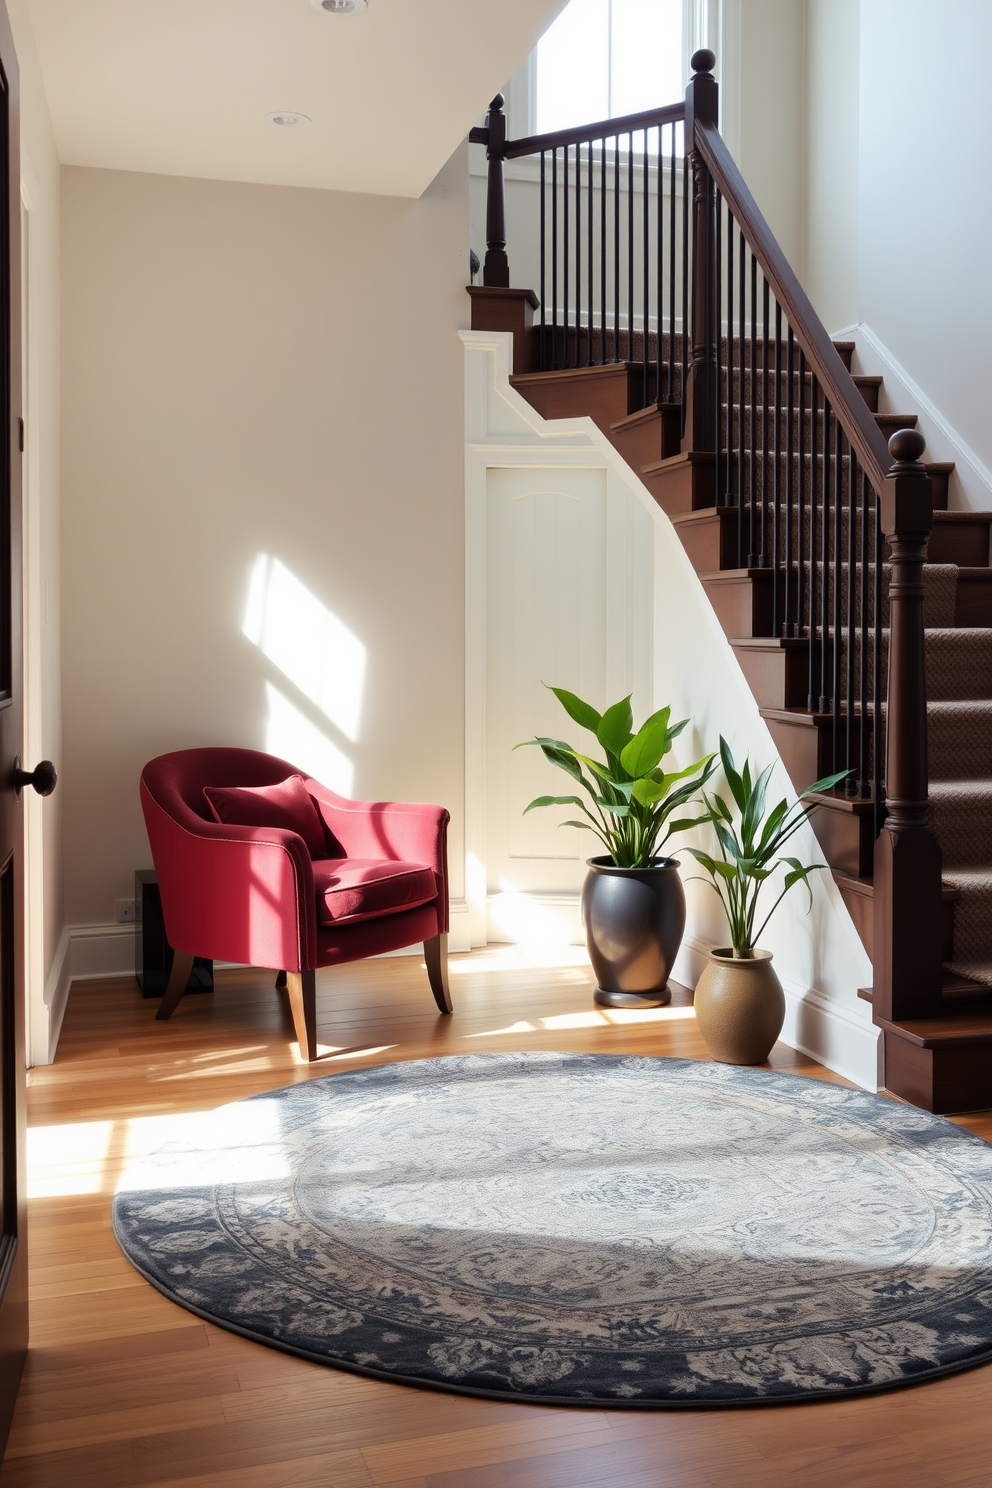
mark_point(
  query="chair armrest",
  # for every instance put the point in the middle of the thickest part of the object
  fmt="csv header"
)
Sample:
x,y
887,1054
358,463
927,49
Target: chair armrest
x,y
242,894
405,830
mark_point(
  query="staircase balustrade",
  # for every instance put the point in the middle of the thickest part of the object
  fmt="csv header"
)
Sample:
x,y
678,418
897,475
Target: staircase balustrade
x,y
828,524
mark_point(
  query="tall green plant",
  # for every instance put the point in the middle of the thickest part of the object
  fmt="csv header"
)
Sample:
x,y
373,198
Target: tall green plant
x,y
749,847
630,798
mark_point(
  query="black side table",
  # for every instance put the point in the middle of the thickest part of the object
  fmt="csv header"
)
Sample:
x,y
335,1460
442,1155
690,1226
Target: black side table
x,y
152,952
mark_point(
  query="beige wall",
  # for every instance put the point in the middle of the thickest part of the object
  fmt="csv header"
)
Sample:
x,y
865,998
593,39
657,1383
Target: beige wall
x,y
253,370
43,728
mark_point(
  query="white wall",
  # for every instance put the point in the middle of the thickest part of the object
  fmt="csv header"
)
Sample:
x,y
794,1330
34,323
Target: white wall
x,y
762,113
831,234
42,679
924,287
254,370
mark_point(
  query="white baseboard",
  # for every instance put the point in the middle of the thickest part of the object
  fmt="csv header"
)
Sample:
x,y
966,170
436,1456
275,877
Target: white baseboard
x,y
515,919
842,1038
45,1020
84,952
87,953
971,483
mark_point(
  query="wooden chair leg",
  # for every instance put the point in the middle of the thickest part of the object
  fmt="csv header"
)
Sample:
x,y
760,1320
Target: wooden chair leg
x,y
436,956
302,988
182,965
280,981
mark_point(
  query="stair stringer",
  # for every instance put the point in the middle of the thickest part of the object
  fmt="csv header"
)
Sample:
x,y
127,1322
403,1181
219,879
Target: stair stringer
x,y
819,958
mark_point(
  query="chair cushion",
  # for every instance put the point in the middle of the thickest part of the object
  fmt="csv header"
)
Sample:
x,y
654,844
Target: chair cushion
x,y
287,804
353,889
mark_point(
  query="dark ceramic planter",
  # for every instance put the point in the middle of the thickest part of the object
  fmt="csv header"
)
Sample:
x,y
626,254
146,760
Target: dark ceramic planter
x,y
634,919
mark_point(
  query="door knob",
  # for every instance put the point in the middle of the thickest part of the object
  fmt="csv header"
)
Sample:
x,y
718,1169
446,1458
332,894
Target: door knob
x,y
42,777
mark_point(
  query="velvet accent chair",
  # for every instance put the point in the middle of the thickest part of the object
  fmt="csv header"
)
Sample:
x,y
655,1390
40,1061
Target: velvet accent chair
x,y
259,864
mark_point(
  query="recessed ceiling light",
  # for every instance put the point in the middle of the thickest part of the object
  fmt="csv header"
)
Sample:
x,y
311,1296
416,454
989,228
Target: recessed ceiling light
x,y
340,7
286,120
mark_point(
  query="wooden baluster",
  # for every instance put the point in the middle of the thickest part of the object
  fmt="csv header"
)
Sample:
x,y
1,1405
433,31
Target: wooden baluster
x,y
701,105
496,269
907,888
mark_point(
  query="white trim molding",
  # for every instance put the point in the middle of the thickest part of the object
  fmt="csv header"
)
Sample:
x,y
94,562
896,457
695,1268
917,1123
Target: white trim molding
x,y
84,952
971,483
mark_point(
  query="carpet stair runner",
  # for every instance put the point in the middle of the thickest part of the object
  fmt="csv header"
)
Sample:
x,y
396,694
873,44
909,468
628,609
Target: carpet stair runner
x,y
956,1061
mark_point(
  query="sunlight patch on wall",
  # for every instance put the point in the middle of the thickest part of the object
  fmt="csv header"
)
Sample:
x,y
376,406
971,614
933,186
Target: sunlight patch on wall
x,y
290,735
309,644
544,925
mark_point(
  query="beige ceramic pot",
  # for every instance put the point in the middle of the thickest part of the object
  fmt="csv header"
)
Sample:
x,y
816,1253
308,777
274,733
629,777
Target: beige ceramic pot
x,y
740,1007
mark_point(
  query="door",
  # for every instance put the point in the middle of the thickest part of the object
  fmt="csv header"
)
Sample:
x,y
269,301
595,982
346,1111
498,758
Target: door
x,y
569,602
13,1213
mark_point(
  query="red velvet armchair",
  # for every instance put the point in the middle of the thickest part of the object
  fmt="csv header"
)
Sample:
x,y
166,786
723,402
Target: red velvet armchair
x,y
345,881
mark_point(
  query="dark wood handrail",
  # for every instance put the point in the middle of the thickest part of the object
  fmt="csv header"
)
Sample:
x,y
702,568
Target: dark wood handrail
x,y
606,128
847,403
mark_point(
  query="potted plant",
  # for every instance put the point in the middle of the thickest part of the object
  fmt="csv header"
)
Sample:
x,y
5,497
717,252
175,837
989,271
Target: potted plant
x,y
740,1006
633,905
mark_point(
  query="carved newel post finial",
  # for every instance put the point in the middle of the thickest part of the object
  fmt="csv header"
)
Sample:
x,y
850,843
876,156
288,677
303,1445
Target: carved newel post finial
x,y
908,949
496,270
701,110
906,448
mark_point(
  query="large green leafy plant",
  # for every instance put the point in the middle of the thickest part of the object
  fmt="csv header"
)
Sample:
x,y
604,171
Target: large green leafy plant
x,y
751,842
629,799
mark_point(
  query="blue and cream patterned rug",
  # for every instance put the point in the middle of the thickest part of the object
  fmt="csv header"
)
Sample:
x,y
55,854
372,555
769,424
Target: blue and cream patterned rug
x,y
580,1229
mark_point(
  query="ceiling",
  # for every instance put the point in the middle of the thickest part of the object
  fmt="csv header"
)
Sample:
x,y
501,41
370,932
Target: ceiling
x,y
182,87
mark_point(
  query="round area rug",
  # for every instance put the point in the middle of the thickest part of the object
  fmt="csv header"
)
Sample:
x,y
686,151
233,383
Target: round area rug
x,y
577,1229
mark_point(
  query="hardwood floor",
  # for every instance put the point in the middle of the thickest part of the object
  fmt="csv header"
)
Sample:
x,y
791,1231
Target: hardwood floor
x,y
124,1388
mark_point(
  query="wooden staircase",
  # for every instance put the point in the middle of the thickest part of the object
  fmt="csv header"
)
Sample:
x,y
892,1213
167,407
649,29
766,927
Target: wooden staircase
x,y
753,437
942,1064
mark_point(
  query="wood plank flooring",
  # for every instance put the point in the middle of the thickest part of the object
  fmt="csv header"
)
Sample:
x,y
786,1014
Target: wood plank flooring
x,y
123,1388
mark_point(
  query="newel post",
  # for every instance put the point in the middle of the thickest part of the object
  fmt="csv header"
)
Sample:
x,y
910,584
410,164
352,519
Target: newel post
x,y
496,269
701,106
907,881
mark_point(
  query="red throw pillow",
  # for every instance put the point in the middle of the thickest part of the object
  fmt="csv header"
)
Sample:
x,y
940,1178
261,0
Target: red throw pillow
x,y
287,804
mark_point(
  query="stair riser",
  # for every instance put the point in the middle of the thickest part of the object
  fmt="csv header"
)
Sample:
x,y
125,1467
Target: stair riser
x,y
963,828
958,665
762,436
742,605
861,908
604,396
681,486
807,753
847,840
959,746
655,438
778,678
717,534
966,543
945,1081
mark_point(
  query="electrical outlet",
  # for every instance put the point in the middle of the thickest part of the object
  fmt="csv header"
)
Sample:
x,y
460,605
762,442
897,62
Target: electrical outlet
x,y
126,912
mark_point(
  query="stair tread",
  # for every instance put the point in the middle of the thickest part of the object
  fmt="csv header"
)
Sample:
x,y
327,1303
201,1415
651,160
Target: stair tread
x,y
954,988
704,515
652,413
957,1027
866,886
770,643
604,369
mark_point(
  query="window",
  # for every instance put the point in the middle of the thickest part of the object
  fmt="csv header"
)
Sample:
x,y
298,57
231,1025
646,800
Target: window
x,y
604,58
